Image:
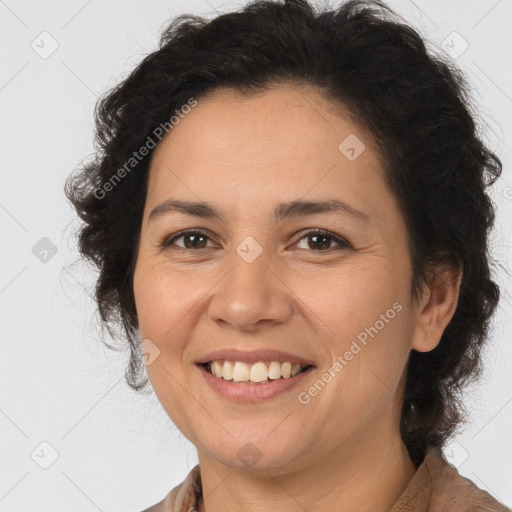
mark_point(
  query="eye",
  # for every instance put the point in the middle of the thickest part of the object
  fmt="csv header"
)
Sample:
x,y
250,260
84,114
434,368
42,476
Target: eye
x,y
196,239
321,240
193,239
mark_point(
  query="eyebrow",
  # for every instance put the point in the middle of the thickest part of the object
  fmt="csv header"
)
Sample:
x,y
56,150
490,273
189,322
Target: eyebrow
x,y
282,211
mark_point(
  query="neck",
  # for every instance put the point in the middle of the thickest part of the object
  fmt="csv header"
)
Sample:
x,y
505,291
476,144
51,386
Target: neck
x,y
365,476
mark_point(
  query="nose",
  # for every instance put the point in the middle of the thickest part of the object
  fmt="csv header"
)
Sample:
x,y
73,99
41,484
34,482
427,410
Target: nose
x,y
251,295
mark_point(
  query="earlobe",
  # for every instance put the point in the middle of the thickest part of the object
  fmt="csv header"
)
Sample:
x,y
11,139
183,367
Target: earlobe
x,y
436,307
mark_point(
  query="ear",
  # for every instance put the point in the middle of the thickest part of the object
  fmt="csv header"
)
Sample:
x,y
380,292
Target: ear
x,y
436,306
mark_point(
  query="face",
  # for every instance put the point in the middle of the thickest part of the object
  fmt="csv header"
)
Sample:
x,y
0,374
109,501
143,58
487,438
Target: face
x,y
255,273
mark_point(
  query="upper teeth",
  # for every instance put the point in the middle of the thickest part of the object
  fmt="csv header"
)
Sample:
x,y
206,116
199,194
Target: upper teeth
x,y
257,372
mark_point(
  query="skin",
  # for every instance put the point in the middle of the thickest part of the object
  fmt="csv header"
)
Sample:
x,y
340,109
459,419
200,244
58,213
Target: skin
x,y
244,156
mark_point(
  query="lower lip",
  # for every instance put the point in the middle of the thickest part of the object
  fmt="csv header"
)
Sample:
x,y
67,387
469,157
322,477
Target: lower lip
x,y
245,392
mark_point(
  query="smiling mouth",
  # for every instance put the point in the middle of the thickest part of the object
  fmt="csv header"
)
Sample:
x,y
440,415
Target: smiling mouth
x,y
261,372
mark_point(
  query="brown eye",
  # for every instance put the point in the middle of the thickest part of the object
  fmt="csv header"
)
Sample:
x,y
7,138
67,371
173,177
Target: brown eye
x,y
191,240
317,241
321,240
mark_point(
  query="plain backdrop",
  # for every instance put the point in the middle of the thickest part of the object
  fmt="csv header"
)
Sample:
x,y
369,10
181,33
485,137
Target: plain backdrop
x,y
73,435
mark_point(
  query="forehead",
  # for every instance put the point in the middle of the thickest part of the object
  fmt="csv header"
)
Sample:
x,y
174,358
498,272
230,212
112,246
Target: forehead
x,y
283,143
273,123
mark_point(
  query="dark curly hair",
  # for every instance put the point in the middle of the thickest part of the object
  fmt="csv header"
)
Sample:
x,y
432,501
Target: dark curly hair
x,y
413,103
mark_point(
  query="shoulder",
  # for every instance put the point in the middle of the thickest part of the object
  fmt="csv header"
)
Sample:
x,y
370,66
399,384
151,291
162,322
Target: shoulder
x,y
166,505
183,497
452,491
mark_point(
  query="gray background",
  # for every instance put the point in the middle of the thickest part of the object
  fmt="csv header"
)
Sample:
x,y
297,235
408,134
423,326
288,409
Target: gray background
x,y
63,401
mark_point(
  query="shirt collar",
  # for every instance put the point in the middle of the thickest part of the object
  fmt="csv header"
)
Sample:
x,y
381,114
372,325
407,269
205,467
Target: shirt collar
x,y
415,498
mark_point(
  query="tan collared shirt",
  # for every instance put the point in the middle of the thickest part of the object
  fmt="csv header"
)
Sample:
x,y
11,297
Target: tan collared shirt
x,y
436,486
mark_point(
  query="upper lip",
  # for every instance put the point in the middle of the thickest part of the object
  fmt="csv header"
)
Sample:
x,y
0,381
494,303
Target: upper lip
x,y
253,356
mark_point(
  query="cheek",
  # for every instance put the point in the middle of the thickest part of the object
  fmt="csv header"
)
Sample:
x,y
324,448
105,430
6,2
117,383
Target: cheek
x,y
165,308
354,297
363,313
169,305
163,300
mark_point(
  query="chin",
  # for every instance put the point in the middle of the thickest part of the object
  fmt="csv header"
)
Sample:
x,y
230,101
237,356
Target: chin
x,y
251,454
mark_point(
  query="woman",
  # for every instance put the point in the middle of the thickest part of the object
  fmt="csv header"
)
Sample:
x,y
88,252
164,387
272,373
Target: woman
x,y
289,216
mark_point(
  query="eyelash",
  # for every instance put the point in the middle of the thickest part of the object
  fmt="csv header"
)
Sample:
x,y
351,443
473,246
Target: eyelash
x,y
342,243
